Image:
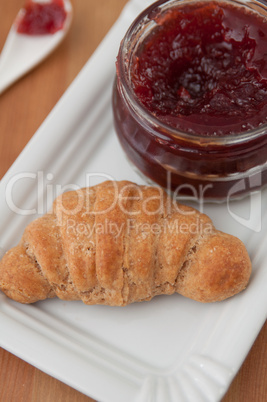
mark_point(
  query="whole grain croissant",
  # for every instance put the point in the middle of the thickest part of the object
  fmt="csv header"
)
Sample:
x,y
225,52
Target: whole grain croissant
x,y
118,243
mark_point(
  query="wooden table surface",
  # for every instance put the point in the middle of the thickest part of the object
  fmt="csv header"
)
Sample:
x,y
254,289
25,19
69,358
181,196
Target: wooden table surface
x,y
23,108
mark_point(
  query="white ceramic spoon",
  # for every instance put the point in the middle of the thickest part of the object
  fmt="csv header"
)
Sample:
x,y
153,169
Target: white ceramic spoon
x,y
23,52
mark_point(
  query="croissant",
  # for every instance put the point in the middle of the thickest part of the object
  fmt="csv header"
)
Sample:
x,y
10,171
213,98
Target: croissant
x,y
117,243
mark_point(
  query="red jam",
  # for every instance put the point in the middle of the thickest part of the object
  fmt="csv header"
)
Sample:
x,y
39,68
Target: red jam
x,y
190,96
42,18
205,64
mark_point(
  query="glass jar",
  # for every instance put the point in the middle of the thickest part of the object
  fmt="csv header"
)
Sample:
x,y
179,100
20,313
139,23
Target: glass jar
x,y
190,164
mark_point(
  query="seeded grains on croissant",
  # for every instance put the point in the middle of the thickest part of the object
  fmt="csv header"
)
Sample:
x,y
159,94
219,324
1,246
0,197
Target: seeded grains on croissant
x,y
117,243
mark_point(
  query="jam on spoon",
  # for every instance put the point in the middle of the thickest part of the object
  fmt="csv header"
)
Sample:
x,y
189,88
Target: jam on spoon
x,y
42,18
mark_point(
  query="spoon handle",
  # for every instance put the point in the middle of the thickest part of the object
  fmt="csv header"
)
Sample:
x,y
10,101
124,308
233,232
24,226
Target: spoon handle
x,y
22,53
7,73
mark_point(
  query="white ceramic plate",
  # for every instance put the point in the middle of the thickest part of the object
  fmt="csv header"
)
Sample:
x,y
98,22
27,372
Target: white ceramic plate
x,y
170,349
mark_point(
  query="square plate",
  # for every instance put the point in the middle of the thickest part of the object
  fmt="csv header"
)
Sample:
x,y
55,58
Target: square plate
x,y
172,348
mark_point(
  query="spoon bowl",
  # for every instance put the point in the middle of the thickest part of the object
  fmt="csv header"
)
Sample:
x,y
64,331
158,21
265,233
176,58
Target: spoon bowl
x,y
23,52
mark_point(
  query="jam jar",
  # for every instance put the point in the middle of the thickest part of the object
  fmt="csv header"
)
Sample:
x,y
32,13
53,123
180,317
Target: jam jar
x,y
190,96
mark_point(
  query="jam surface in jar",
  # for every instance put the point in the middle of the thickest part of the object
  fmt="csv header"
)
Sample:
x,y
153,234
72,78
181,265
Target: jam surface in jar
x,y
42,18
203,69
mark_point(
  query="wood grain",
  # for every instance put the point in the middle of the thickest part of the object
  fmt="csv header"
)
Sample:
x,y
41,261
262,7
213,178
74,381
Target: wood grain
x,y
23,108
